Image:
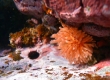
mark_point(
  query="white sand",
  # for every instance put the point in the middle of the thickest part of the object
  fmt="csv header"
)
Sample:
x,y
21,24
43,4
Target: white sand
x,y
49,67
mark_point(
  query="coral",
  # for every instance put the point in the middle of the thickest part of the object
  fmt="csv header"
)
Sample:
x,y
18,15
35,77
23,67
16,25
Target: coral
x,y
15,56
44,33
23,37
30,36
74,44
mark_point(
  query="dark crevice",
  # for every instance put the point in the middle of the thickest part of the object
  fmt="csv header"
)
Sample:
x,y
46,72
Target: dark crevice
x,y
19,0
81,3
47,2
33,55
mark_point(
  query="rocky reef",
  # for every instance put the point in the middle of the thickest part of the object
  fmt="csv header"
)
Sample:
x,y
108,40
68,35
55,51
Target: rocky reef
x,y
70,36
72,12
91,17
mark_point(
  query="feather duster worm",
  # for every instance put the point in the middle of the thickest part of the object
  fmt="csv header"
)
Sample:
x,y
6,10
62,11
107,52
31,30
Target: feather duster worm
x,y
74,45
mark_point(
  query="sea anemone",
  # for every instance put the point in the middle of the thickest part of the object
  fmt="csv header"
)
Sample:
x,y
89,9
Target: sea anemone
x,y
75,45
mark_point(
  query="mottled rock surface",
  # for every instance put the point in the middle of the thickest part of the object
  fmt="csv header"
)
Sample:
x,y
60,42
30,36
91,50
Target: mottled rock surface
x,y
95,11
73,12
30,7
96,30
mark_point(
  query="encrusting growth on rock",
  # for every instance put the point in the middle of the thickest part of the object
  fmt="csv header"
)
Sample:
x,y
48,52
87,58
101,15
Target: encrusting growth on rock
x,y
30,36
74,44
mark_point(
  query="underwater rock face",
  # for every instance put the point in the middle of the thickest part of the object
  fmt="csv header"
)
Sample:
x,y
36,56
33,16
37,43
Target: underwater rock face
x,y
98,30
30,7
95,11
71,11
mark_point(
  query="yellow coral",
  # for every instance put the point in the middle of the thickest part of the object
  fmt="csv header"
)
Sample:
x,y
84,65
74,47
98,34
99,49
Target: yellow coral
x,y
23,37
30,36
74,44
15,56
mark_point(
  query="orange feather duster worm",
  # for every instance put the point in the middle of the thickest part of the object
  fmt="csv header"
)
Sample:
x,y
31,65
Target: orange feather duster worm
x,y
74,44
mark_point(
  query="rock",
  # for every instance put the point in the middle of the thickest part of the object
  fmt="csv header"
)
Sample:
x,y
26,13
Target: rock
x,y
87,11
5,52
97,11
72,12
96,30
30,7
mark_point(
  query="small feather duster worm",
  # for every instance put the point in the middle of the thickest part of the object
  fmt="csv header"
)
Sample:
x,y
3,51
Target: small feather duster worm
x,y
74,45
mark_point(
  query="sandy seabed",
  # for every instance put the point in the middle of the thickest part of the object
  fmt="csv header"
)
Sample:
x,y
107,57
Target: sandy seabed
x,y
48,67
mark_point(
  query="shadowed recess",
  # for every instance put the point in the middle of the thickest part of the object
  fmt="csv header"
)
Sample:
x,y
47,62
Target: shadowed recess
x,y
33,55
